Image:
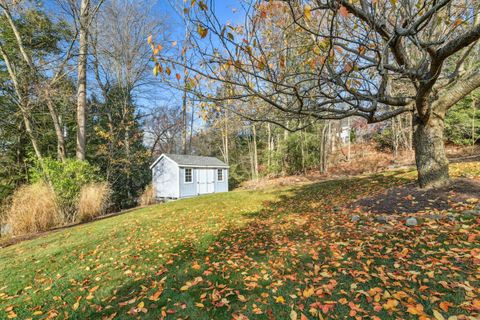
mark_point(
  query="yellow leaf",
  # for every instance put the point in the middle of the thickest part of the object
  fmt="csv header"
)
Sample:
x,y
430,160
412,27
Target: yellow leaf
x,y
280,299
437,315
195,265
75,305
391,304
293,315
149,40
202,31
199,305
308,292
307,10
140,305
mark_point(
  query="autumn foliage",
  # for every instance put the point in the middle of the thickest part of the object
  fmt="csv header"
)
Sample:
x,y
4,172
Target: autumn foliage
x,y
277,253
148,196
93,201
33,208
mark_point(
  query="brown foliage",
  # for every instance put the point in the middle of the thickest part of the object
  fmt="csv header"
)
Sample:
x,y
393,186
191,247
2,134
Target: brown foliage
x,y
33,208
93,201
148,196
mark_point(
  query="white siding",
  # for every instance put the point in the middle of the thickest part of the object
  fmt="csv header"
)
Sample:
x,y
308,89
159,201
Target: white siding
x,y
165,176
221,186
188,189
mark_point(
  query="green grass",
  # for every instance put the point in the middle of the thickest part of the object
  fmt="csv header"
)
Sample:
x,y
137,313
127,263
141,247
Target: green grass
x,y
273,253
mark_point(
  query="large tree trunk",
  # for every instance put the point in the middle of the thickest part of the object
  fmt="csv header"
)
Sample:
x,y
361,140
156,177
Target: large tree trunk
x,y
82,81
430,157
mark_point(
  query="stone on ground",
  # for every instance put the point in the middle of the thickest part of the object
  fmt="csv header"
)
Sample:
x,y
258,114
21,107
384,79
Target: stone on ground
x,y
411,222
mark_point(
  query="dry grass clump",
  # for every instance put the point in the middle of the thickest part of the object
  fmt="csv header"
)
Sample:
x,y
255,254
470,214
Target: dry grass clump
x,y
33,208
93,201
148,196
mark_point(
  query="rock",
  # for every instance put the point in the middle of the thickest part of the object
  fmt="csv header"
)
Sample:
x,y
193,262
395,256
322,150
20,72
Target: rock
x,y
355,218
381,219
411,222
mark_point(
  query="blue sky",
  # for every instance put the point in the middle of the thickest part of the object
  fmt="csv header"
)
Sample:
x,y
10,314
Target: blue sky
x,y
225,10
157,95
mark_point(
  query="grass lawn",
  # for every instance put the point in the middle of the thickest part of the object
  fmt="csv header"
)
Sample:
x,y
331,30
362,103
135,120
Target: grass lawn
x,y
277,253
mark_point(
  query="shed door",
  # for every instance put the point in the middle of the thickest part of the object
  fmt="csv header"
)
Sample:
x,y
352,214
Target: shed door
x,y
205,181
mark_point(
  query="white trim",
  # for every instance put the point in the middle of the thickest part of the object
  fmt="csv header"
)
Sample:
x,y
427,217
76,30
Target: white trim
x,y
200,167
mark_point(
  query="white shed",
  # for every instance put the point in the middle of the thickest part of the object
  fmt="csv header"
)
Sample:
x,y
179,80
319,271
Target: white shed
x,y
179,176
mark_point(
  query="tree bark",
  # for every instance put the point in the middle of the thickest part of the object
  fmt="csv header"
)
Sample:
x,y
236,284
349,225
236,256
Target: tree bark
x,y
255,152
430,157
82,81
61,150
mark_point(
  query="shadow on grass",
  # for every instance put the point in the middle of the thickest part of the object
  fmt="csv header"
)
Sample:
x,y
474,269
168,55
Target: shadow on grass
x,y
257,269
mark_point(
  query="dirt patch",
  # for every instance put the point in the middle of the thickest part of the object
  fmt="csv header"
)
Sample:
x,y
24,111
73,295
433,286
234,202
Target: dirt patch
x,y
410,199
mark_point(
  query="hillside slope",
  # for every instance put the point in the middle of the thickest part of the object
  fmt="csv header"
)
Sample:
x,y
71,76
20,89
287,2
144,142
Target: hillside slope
x,y
282,252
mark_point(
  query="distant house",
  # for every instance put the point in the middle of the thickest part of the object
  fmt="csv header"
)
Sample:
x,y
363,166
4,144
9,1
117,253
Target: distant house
x,y
180,176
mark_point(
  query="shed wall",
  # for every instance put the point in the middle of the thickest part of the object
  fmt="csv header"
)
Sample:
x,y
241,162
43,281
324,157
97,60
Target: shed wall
x,y
166,179
221,186
188,189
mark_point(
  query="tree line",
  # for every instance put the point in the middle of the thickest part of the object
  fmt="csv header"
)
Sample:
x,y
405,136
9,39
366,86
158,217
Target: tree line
x,y
305,61
71,74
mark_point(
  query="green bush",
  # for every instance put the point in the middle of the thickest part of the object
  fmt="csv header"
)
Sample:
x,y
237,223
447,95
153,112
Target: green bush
x,y
67,178
462,123
384,139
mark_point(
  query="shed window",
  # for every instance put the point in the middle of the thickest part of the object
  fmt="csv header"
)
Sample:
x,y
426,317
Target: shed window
x,y
188,175
220,175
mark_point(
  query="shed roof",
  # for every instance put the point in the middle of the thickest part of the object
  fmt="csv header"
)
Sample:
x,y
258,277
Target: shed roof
x,y
193,161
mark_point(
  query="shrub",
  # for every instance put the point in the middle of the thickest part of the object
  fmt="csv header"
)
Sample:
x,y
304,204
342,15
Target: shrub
x,y
33,208
93,201
148,196
67,178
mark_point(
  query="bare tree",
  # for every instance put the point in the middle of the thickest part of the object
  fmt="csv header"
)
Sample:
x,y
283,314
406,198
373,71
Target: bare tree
x,y
339,58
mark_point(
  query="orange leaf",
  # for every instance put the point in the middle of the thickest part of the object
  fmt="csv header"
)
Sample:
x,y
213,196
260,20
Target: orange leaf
x,y
444,305
343,11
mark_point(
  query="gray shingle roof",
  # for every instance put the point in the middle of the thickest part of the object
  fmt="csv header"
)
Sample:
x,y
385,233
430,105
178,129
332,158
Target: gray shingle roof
x,y
196,161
